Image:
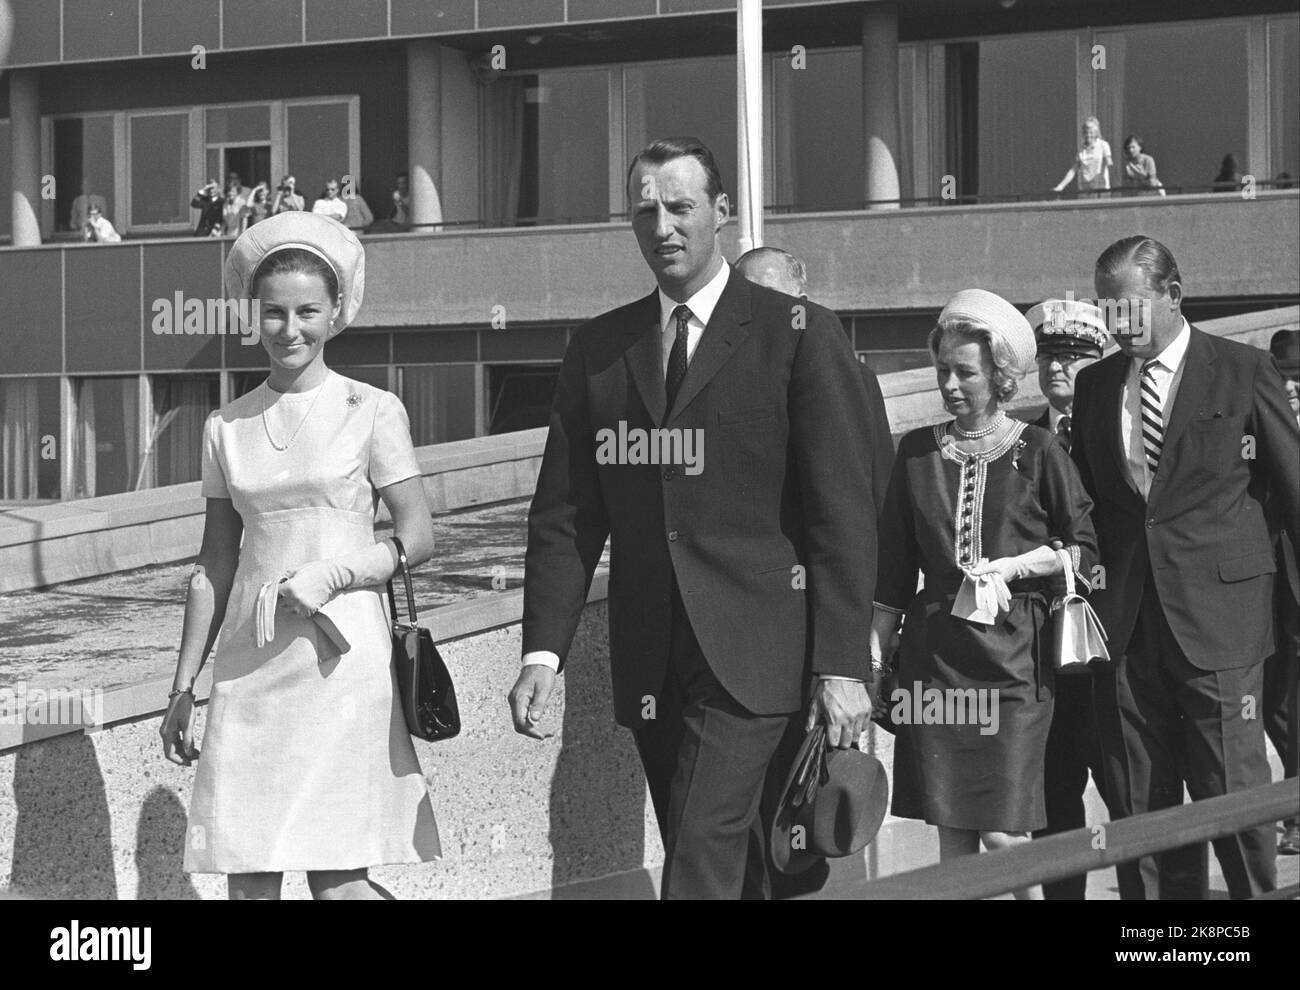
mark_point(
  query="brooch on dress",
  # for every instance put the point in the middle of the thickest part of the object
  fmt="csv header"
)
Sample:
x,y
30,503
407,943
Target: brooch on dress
x,y
1016,451
354,400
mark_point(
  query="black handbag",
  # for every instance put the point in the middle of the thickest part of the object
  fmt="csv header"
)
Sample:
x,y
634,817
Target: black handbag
x,y
423,681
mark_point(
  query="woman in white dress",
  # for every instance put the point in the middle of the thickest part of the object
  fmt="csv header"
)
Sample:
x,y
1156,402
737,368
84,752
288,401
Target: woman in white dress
x,y
306,762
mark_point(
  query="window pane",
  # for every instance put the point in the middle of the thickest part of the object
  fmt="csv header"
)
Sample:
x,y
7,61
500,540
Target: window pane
x,y
6,199
1173,111
378,377
1284,94
160,163
106,442
29,437
1027,131
520,395
566,146
228,124
818,124
439,400
663,100
317,146
83,170
181,403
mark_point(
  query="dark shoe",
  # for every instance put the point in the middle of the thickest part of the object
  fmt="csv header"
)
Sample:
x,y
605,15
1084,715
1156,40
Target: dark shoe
x,y
1290,842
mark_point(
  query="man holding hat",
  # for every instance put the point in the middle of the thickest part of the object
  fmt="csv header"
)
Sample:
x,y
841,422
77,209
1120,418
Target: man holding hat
x,y
1070,335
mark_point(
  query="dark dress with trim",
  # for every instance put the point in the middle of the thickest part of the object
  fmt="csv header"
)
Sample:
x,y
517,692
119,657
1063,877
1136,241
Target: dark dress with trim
x,y
977,767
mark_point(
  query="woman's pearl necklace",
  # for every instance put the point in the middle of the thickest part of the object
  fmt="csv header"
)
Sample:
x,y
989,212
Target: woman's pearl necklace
x,y
981,434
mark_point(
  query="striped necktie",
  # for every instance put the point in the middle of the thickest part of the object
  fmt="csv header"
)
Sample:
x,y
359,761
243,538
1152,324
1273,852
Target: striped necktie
x,y
677,356
1153,423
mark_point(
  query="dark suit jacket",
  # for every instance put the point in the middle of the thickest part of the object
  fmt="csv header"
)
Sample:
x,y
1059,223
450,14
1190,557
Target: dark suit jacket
x,y
785,481
880,439
1203,533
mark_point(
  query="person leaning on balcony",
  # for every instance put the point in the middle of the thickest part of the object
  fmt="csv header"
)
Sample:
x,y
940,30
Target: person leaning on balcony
x,y
1180,438
331,203
1140,169
259,206
287,197
358,216
234,210
1071,335
1280,669
974,504
99,228
1092,162
307,763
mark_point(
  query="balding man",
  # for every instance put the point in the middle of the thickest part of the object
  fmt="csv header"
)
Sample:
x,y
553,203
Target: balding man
x,y
782,271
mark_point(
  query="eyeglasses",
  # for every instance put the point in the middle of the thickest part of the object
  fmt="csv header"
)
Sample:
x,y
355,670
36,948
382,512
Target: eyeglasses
x,y
1064,357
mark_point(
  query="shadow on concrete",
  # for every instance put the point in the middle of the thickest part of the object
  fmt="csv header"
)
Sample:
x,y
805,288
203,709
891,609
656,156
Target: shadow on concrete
x,y
62,832
598,793
160,849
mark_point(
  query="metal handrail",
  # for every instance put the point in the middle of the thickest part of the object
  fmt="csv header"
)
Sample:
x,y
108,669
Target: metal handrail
x,y
1069,853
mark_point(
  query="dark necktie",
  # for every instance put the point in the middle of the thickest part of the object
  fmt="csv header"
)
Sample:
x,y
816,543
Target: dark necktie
x,y
677,356
1063,430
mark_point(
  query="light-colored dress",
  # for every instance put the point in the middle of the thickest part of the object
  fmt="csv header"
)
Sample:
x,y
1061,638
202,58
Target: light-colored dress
x,y
306,765
1092,166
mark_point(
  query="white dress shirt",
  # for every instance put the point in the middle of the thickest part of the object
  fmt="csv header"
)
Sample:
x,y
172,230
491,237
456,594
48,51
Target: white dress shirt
x,y
1168,374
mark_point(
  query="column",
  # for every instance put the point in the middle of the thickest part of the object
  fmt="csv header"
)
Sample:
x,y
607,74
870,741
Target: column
x,y
25,135
880,101
424,130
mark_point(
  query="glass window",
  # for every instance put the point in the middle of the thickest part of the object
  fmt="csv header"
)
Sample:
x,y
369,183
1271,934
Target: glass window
x,y
243,382
29,439
231,124
520,396
174,450
565,153
160,166
818,128
439,400
1188,121
6,200
378,377
663,100
1283,95
83,170
317,146
106,442
1027,134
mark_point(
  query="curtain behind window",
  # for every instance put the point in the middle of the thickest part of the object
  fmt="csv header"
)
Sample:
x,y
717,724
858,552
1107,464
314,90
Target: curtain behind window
x,y
19,439
502,127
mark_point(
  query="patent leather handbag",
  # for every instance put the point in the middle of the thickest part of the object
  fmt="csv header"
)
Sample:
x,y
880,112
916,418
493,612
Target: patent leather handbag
x,y
424,684
1078,638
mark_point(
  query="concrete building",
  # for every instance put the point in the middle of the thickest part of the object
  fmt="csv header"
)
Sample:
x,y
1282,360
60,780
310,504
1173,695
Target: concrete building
x,y
910,148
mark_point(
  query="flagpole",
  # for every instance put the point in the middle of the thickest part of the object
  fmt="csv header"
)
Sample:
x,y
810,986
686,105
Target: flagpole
x,y
749,122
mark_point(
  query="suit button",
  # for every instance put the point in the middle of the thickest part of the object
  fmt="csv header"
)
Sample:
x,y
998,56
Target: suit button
x,y
670,474
672,536
1150,523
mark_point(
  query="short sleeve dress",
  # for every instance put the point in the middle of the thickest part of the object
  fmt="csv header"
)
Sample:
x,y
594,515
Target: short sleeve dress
x,y
306,762
946,510
1093,166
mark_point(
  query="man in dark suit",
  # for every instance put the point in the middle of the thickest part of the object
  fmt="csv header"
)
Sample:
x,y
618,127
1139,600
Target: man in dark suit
x,y
1071,335
734,580
1179,439
782,271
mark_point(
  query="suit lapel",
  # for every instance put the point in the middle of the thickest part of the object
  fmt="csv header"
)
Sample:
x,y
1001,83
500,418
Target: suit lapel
x,y
1198,373
726,329
645,357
